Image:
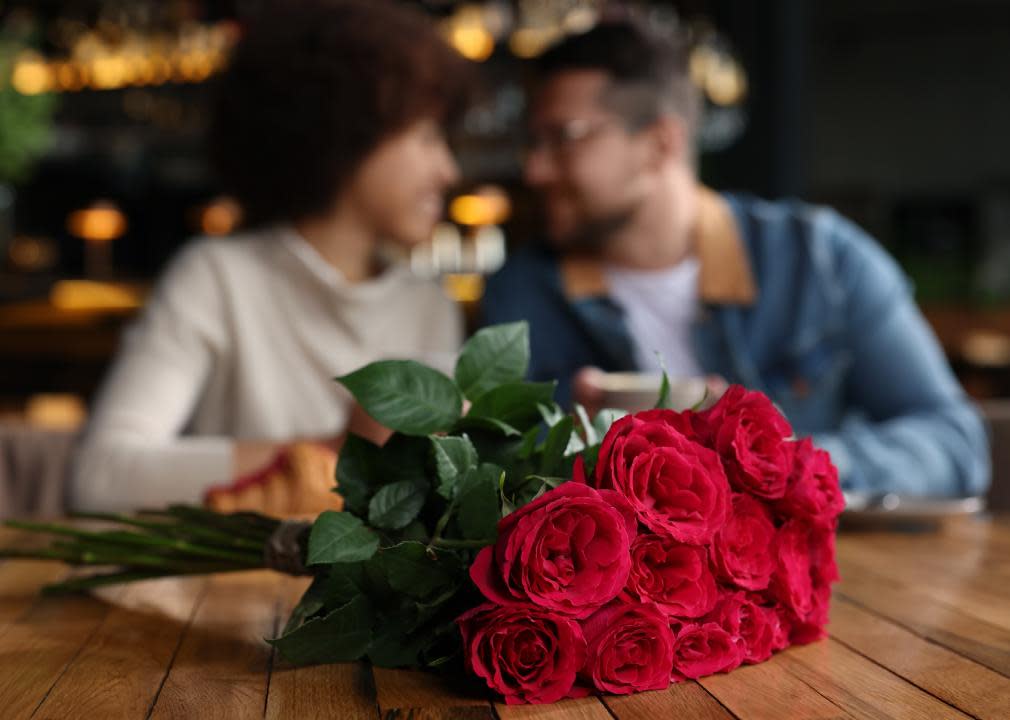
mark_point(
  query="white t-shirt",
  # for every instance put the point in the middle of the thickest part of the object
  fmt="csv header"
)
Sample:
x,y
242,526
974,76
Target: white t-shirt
x,y
242,339
660,307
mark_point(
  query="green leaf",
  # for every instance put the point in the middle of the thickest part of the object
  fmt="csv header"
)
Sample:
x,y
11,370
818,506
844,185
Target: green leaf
x,y
393,646
552,413
547,481
363,467
415,531
704,399
555,446
592,437
395,505
340,537
406,396
663,401
453,457
342,635
492,357
478,502
480,423
605,418
409,569
514,404
334,586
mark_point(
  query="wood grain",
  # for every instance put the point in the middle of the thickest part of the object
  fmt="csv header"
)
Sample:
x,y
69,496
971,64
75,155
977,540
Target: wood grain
x,y
344,691
927,617
683,700
423,696
220,669
861,687
119,670
37,648
20,582
920,629
588,708
941,672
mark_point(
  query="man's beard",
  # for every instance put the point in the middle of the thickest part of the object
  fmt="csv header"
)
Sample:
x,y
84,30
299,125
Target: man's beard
x,y
593,235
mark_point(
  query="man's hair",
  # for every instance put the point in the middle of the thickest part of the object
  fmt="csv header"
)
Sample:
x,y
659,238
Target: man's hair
x,y
312,88
648,71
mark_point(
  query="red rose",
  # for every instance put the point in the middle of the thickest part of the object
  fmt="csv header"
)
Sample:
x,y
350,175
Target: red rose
x,y
741,551
703,649
566,551
813,492
630,648
810,628
524,653
752,438
757,630
823,572
805,569
677,486
672,575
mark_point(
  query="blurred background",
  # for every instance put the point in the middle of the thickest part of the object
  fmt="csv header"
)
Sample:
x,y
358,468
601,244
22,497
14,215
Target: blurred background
x,y
893,111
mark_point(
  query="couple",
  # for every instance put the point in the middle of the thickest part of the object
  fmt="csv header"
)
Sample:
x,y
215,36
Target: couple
x,y
329,129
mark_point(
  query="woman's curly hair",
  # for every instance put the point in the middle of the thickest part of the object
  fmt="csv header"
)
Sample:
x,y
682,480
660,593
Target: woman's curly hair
x,y
312,88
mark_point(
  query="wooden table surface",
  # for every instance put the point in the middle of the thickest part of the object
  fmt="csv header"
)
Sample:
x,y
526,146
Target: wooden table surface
x,y
920,628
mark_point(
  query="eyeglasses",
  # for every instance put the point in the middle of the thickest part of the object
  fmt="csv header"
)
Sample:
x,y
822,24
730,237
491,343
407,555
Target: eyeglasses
x,y
559,140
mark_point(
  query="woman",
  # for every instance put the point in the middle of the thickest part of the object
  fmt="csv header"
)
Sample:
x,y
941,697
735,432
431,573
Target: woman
x,y
328,130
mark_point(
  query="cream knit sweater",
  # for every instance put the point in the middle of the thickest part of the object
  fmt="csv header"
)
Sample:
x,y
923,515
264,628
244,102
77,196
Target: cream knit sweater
x,y
242,339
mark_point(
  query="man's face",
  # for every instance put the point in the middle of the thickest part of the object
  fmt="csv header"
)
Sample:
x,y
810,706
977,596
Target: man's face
x,y
590,170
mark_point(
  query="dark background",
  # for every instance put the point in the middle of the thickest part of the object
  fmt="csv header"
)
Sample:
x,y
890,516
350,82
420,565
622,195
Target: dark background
x,y
894,111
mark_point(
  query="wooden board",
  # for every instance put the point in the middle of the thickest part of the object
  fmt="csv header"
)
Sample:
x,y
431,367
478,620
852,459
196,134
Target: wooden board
x,y
920,629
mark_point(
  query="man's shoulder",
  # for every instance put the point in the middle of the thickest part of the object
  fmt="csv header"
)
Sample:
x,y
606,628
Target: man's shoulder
x,y
532,264
777,225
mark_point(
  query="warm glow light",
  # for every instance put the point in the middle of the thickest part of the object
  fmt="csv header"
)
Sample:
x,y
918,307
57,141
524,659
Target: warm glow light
x,y
108,72
220,217
726,83
90,295
100,223
474,42
31,75
528,42
483,208
464,287
55,412
68,77
986,348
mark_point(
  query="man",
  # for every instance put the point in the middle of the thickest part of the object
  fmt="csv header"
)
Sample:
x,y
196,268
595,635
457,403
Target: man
x,y
781,297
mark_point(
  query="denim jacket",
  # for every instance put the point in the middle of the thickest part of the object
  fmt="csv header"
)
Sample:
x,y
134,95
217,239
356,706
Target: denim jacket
x,y
796,302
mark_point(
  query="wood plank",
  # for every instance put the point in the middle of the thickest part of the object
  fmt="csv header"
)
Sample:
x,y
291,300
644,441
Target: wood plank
x,y
419,695
319,691
861,687
944,624
118,672
20,582
588,708
37,648
220,670
966,578
683,700
768,691
973,688
344,691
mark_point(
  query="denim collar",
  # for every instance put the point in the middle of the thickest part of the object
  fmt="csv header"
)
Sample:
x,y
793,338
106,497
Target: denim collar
x,y
725,277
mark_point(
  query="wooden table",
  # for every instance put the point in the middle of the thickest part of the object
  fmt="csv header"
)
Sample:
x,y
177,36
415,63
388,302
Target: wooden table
x,y
920,629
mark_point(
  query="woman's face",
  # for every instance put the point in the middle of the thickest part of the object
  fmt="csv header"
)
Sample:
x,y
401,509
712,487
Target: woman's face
x,y
399,190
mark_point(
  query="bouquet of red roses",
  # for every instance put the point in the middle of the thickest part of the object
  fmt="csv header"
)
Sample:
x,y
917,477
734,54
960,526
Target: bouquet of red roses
x,y
551,555
704,540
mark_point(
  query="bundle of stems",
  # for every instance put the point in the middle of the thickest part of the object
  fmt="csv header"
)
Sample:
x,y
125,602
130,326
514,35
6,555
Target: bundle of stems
x,y
180,540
